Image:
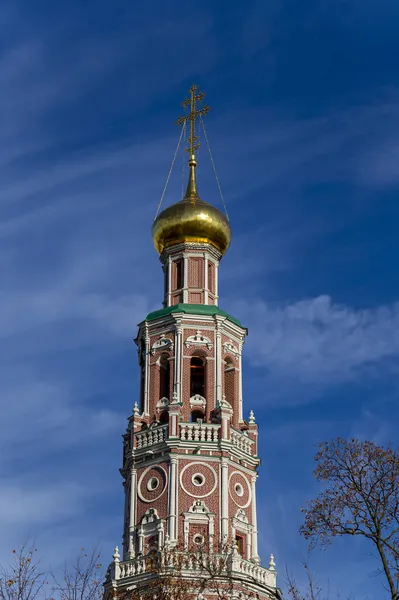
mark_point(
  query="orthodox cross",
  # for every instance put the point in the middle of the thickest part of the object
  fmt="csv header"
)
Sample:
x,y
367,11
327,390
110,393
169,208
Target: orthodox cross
x,y
192,116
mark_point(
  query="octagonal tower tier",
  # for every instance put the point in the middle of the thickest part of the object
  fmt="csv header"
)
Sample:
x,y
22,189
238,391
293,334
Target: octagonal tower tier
x,y
190,458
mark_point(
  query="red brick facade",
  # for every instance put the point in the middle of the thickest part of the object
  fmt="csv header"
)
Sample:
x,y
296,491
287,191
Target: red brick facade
x,y
190,457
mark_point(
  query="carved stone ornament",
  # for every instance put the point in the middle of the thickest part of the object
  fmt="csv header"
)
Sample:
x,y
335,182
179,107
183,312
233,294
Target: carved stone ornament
x,y
198,400
199,508
241,516
162,403
198,340
151,516
163,343
231,349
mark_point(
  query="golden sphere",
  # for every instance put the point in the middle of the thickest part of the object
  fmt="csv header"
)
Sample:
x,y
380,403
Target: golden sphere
x,y
191,220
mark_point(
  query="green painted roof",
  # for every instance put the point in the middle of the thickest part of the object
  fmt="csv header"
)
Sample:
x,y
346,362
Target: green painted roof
x,y
191,309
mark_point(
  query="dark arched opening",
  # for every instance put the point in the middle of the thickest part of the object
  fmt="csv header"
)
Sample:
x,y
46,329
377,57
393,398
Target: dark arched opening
x,y
197,376
164,417
197,414
164,376
229,379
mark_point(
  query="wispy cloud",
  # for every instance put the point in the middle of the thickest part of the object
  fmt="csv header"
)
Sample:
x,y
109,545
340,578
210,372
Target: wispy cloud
x,y
318,342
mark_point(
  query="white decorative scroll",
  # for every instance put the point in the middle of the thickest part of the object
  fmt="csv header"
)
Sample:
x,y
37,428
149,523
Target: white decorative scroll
x,y
163,343
231,349
241,516
199,508
150,516
198,400
162,403
199,340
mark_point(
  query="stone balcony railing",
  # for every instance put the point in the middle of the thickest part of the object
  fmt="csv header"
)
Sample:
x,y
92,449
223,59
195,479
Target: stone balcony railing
x,y
236,567
199,432
151,436
241,441
193,432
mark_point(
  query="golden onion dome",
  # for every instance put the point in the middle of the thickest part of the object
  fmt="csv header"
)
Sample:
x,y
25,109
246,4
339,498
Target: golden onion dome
x,y
191,220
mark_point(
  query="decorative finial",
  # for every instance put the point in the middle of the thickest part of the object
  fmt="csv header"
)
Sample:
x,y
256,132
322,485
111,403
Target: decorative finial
x,y
116,555
192,116
272,564
193,140
136,410
251,419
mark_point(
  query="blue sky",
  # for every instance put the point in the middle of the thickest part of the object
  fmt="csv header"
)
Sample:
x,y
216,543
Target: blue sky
x,y
305,135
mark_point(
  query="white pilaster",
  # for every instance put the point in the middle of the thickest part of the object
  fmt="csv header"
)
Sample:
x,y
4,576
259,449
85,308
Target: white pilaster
x,y
185,280
146,370
178,361
218,364
206,282
254,544
217,284
240,411
224,492
132,516
169,290
172,499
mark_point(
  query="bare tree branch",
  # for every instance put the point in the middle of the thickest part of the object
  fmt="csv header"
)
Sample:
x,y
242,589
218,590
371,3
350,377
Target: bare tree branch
x,y
360,498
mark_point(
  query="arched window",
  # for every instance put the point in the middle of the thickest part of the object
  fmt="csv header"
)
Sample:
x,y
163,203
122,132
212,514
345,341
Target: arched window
x,y
240,544
197,376
164,417
179,274
197,414
164,376
142,385
229,379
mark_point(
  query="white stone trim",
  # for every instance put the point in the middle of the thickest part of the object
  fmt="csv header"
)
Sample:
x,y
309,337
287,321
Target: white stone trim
x,y
198,513
185,279
144,473
240,407
255,555
163,343
196,493
206,283
232,494
217,284
198,340
178,361
197,401
132,515
146,371
229,348
224,514
218,366
172,499
169,290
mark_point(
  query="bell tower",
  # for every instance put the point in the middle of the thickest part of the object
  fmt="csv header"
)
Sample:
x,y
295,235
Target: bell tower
x,y
190,457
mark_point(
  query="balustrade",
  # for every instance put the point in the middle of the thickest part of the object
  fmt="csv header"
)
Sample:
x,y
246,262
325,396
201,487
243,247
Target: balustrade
x,y
241,441
151,436
199,432
235,565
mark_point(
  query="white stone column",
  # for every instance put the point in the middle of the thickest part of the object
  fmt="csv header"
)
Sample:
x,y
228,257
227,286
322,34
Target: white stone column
x,y
218,364
146,370
224,501
132,515
217,284
178,361
206,282
172,499
169,283
185,280
254,544
240,413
